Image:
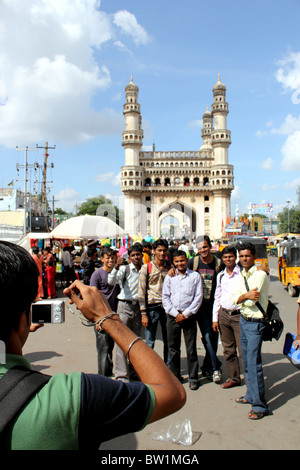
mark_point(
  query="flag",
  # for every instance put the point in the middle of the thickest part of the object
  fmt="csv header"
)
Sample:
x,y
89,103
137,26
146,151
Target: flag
x,y
11,183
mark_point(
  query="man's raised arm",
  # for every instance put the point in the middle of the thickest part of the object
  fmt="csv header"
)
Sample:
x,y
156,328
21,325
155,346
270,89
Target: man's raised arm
x,y
170,396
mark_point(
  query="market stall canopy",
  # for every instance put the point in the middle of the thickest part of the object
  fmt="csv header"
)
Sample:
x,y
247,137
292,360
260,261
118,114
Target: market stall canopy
x,y
87,226
25,241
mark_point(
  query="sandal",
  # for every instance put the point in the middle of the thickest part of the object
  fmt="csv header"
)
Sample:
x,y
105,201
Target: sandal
x,y
254,414
241,400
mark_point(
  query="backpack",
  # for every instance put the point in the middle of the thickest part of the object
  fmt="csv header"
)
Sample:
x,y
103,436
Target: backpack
x,y
17,386
273,322
196,261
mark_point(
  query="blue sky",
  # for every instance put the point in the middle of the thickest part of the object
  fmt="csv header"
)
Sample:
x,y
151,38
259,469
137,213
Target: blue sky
x,y
64,65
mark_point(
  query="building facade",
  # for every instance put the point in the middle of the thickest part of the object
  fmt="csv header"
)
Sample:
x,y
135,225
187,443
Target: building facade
x,y
187,191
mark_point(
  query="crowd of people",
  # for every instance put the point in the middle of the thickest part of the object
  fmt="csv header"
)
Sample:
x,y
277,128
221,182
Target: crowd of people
x,y
150,285
182,291
76,410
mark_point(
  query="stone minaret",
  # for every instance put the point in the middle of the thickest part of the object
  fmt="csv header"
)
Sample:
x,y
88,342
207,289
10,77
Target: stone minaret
x,y
220,141
132,172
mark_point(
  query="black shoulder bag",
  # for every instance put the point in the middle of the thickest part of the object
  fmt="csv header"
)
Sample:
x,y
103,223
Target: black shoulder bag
x,y
17,386
273,322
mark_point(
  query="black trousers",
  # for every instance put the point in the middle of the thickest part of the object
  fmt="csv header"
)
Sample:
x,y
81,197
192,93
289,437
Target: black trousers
x,y
189,330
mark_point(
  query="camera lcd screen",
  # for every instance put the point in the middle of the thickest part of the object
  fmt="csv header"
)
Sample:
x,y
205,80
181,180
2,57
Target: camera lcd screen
x,y
41,313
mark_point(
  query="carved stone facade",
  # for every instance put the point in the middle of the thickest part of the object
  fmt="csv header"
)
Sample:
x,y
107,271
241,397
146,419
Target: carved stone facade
x,y
190,188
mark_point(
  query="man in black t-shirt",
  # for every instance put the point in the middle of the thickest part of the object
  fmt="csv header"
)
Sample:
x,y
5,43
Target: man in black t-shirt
x,y
208,266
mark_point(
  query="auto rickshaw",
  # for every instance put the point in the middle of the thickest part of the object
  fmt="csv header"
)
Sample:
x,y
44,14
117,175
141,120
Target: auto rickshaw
x,y
260,248
223,242
289,265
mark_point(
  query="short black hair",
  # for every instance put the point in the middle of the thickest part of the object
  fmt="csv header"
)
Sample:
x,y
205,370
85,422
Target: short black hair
x,y
179,253
18,286
35,250
107,250
160,242
229,249
241,246
136,247
146,244
91,251
203,238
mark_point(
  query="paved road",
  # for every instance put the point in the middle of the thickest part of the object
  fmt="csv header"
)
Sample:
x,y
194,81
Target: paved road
x,y
212,412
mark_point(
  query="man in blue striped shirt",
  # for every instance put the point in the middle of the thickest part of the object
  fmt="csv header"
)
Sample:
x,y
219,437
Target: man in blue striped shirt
x,y
182,297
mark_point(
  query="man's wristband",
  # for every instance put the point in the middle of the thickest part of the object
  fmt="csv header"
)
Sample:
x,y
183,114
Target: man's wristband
x,y
109,315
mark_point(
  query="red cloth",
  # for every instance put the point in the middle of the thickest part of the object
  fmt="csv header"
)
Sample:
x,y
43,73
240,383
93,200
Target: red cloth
x,y
50,273
39,262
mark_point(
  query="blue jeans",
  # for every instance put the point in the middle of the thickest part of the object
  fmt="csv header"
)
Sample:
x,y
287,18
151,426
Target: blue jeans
x,y
209,338
157,314
251,335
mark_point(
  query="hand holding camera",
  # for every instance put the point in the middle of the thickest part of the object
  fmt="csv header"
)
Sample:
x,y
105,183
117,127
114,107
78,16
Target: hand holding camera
x,y
89,300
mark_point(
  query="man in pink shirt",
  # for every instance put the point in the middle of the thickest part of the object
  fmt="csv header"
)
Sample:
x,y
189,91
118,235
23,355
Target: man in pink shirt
x,y
226,316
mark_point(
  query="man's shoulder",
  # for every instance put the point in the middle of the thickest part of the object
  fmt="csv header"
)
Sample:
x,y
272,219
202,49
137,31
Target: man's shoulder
x,y
194,274
99,274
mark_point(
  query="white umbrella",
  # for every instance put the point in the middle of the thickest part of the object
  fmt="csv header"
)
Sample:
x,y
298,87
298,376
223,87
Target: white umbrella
x,y
87,226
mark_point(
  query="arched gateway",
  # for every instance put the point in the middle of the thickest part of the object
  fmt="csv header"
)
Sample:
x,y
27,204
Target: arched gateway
x,y
189,188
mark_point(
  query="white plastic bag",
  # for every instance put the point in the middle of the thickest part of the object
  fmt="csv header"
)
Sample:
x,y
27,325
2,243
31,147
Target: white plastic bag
x,y
178,433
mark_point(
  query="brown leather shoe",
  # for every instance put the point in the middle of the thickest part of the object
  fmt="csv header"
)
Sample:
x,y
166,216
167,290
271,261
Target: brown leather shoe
x,y
229,383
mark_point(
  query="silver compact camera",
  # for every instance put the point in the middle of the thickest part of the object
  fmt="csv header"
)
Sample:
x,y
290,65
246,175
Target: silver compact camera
x,y
48,311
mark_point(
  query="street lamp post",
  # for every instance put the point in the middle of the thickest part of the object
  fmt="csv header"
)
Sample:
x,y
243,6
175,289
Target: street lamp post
x,y
288,201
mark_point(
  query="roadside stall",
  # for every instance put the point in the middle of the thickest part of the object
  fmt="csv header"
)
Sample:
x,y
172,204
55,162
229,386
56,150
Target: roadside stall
x,y
76,232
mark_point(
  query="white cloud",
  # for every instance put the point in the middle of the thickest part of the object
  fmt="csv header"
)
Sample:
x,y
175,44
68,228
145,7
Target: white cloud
x,y
290,152
288,75
49,73
269,187
291,124
110,177
67,199
260,133
293,184
236,194
267,164
196,123
128,24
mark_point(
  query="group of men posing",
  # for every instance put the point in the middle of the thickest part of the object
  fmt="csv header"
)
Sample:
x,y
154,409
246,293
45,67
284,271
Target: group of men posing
x,y
217,294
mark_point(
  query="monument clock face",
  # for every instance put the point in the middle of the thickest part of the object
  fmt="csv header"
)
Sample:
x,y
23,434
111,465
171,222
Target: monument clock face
x,y
177,180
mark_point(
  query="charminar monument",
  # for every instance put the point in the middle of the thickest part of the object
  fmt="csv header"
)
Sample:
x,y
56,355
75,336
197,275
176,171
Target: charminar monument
x,y
177,193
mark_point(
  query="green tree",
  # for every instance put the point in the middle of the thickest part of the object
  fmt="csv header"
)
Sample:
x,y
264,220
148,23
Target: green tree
x,y
289,219
101,206
59,211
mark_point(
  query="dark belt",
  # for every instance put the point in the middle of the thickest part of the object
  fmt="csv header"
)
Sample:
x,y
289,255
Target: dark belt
x,y
156,305
131,302
231,312
256,320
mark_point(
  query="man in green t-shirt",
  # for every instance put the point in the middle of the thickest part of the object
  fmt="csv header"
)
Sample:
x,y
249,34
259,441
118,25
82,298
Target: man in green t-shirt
x,y
77,411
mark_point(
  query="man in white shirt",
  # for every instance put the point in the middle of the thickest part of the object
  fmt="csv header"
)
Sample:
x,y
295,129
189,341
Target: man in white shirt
x,y
226,316
127,276
181,298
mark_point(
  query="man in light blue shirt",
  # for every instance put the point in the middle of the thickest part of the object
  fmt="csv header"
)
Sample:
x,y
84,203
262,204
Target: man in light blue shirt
x,y
127,276
181,298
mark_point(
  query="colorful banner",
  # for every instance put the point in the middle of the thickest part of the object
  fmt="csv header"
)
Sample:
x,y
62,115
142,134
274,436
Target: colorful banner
x,y
262,208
